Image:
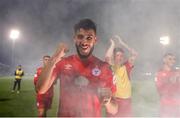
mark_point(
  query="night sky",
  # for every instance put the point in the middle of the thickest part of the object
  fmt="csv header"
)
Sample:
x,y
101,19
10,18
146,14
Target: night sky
x,y
45,23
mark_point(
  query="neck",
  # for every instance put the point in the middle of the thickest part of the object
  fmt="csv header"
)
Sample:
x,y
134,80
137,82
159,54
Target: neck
x,y
85,59
167,68
117,63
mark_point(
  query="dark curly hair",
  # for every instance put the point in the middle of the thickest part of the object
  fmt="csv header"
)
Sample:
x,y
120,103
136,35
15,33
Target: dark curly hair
x,y
85,24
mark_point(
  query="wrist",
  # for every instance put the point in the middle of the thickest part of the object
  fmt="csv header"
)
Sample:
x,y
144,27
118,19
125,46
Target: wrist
x,y
112,44
107,104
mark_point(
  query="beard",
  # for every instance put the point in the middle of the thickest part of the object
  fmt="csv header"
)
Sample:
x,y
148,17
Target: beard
x,y
84,56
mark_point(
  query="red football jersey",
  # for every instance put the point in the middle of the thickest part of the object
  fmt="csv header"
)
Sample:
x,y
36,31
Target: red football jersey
x,y
168,90
79,84
49,93
168,85
129,68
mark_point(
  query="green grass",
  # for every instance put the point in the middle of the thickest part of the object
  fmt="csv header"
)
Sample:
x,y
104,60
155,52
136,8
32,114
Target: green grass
x,y
23,104
144,98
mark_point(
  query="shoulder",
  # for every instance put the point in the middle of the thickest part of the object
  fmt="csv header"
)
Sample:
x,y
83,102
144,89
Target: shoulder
x,y
128,64
103,65
99,61
67,59
162,73
39,68
70,59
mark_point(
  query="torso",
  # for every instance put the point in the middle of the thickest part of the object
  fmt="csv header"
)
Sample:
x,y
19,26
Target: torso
x,y
79,82
123,83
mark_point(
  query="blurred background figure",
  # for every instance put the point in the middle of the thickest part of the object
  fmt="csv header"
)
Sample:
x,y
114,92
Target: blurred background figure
x,y
121,67
43,101
19,73
168,86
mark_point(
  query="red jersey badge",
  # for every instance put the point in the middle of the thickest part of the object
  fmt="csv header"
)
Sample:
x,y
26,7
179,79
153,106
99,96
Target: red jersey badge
x,y
96,71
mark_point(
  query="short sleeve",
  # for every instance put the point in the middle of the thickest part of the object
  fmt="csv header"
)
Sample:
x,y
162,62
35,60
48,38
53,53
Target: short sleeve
x,y
129,68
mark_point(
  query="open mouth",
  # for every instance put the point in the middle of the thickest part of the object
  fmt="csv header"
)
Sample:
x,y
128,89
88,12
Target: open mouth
x,y
84,47
84,50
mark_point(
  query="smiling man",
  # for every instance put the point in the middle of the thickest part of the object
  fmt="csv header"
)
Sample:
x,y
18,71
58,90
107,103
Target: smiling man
x,y
82,76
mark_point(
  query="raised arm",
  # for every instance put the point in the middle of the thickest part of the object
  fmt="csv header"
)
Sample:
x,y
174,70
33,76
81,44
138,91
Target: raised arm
x,y
134,54
109,53
47,76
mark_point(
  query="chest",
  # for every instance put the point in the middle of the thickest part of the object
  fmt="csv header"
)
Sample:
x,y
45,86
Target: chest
x,y
167,75
120,71
82,74
19,72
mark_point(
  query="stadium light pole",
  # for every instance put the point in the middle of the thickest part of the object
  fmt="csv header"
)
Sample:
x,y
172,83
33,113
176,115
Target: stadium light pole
x,y
13,35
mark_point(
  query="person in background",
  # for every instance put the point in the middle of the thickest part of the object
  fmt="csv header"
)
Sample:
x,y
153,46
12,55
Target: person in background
x,y
43,101
122,68
19,73
168,86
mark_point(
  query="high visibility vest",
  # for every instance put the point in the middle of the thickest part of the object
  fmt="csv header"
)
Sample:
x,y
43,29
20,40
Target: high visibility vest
x,y
19,74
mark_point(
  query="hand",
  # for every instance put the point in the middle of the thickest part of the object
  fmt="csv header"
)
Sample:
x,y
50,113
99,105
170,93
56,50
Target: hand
x,y
61,50
106,100
133,52
104,95
117,37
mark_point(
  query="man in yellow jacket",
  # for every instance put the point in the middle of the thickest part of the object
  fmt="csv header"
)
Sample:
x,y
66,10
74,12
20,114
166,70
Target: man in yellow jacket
x,y
19,73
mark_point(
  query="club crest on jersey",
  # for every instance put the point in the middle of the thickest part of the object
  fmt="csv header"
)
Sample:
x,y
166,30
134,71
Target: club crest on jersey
x,y
96,71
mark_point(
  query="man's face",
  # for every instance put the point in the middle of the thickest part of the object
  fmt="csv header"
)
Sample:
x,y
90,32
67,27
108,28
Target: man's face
x,y
119,57
45,60
169,60
85,41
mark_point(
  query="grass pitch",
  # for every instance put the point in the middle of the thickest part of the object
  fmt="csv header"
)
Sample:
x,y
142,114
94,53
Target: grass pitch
x,y
144,98
22,104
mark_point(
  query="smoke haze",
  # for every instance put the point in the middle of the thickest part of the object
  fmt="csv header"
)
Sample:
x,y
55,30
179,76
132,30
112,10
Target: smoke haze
x,y
45,23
